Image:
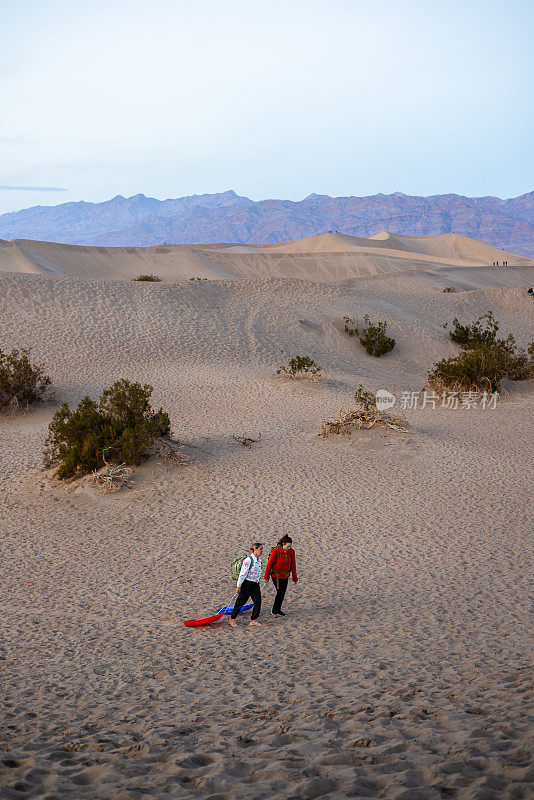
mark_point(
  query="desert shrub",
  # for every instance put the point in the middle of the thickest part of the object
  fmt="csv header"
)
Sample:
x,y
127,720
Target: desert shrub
x,y
301,367
198,279
483,366
21,382
373,337
151,278
479,368
364,400
350,326
484,359
483,331
119,428
362,414
517,364
450,289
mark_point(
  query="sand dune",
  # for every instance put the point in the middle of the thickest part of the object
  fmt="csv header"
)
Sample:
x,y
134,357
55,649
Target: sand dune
x,y
330,257
402,670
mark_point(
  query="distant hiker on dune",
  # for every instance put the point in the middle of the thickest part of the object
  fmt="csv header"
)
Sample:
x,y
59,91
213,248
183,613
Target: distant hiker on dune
x,y
281,563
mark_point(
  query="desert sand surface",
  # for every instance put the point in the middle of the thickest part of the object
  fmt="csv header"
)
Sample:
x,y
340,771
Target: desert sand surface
x,y
329,257
403,668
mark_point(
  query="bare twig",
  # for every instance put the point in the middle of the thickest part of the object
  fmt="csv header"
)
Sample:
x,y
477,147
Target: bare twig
x,y
169,451
246,441
15,406
112,477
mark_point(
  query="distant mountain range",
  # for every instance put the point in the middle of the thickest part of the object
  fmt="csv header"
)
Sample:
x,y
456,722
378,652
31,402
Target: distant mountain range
x,y
227,217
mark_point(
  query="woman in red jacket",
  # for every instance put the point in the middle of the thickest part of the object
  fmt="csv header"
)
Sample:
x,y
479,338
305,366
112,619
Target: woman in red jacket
x,y
279,566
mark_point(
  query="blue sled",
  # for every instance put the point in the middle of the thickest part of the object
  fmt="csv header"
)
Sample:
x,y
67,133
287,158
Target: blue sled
x,y
229,609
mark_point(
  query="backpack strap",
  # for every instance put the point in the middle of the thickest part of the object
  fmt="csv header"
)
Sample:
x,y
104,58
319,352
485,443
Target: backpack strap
x,y
276,576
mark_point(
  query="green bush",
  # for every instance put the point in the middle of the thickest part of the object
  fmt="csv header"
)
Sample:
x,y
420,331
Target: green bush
x,y
364,400
484,359
120,428
350,326
373,337
151,278
483,366
450,289
518,364
301,367
21,382
483,331
479,369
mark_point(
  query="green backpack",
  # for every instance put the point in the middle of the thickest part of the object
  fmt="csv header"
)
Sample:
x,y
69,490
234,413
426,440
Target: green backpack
x,y
236,566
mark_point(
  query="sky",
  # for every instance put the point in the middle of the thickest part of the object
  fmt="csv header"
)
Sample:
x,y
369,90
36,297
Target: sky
x,y
271,99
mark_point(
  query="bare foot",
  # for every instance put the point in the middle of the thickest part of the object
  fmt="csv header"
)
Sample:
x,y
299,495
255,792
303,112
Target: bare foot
x,y
232,622
255,622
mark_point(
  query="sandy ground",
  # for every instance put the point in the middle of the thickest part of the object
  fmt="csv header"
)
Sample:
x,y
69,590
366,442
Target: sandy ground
x,y
403,667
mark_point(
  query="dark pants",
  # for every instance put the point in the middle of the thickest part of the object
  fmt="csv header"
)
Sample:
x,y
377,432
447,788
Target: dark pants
x,y
281,587
248,589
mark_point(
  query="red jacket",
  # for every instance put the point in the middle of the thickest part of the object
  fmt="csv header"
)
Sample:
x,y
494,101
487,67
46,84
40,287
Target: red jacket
x,y
281,564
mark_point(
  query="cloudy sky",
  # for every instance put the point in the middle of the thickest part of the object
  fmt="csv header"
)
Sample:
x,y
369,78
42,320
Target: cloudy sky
x,y
272,99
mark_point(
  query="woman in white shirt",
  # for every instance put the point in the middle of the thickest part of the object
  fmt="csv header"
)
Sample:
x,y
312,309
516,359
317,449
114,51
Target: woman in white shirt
x,y
248,585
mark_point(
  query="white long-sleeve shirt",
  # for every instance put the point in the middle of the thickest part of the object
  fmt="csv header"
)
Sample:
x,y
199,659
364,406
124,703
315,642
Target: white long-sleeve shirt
x,y
250,570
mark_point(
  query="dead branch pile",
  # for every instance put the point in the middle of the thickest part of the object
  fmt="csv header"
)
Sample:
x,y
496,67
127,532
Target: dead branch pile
x,y
16,407
168,450
246,441
362,418
112,477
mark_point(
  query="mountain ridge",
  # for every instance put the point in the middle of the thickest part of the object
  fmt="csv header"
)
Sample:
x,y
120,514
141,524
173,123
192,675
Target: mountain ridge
x,y
142,221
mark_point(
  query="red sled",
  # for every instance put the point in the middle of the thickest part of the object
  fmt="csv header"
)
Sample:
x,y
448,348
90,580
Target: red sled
x,y
195,623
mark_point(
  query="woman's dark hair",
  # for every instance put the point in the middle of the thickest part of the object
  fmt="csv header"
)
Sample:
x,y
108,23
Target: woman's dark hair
x,y
285,540
256,545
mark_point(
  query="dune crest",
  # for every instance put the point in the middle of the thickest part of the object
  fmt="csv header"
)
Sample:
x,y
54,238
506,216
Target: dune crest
x,y
329,257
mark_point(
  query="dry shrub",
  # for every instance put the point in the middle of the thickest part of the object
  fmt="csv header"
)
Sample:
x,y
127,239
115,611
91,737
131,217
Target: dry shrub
x,y
21,382
168,450
148,278
484,359
122,426
363,415
112,478
373,337
482,367
482,331
301,367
